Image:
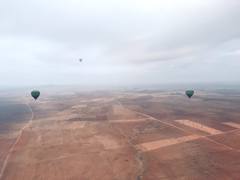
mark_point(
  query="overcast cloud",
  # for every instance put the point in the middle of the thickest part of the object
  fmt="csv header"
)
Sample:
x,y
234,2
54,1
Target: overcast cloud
x,y
120,41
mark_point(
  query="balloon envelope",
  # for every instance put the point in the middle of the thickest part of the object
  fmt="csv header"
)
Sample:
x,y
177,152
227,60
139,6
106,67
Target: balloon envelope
x,y
35,94
189,93
80,60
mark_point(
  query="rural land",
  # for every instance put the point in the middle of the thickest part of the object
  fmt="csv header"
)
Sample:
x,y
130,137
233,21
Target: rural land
x,y
120,134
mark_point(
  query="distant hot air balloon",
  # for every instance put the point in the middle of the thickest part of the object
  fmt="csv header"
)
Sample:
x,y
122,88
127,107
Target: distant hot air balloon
x,y
189,93
80,60
35,94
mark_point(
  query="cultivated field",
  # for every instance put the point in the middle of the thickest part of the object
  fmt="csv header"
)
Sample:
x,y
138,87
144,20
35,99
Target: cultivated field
x,y
132,134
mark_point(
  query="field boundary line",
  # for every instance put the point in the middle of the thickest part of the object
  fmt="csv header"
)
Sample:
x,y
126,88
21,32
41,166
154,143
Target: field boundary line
x,y
19,136
204,137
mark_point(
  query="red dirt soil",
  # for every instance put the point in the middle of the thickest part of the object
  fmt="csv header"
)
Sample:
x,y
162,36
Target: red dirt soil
x,y
124,136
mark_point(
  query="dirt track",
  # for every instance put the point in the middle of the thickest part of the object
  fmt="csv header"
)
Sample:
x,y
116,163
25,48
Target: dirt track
x,y
128,137
19,136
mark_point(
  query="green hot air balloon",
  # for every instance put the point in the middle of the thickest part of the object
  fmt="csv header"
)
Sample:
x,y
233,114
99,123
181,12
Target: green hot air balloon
x,y
35,94
189,93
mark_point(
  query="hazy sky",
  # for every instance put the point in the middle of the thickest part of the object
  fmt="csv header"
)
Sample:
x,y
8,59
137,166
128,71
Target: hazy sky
x,y
120,41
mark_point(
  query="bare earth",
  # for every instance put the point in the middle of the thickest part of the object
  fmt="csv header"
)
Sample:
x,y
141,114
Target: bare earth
x,y
124,135
200,127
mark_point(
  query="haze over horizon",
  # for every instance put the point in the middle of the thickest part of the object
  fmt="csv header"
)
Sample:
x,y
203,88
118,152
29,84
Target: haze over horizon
x,y
120,42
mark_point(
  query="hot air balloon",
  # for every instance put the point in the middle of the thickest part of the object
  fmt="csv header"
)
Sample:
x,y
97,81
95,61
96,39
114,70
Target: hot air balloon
x,y
80,60
189,93
35,94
